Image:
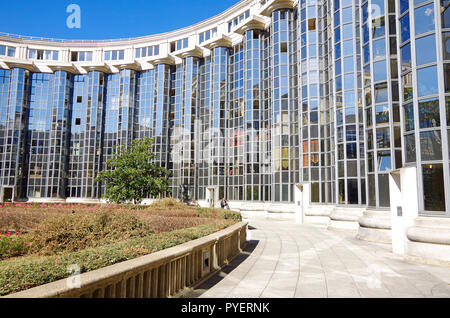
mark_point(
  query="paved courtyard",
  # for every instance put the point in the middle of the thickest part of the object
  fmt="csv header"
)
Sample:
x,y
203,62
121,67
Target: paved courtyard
x,y
286,260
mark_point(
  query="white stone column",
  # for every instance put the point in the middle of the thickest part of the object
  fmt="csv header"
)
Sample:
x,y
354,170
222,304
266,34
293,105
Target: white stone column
x,y
404,206
301,194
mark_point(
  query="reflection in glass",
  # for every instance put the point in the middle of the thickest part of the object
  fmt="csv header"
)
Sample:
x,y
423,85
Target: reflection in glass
x,y
380,73
445,5
431,145
405,54
426,50
410,145
434,196
384,161
424,19
404,28
379,49
407,86
409,117
429,113
383,139
427,81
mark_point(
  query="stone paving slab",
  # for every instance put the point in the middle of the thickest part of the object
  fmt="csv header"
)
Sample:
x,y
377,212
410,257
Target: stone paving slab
x,y
287,260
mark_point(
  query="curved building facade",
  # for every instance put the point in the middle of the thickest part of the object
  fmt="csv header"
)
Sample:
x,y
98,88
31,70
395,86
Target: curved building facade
x,y
248,105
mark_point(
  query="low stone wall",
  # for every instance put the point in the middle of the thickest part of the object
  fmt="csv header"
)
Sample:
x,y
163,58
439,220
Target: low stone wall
x,y
159,275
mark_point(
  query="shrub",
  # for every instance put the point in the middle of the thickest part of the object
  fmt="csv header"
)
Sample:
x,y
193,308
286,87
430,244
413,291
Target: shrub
x,y
12,245
169,204
75,232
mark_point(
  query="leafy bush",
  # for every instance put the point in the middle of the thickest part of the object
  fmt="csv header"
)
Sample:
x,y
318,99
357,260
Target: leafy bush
x,y
169,204
13,245
74,232
220,214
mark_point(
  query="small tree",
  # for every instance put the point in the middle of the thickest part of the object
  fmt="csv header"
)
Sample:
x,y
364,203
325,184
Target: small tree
x,y
131,174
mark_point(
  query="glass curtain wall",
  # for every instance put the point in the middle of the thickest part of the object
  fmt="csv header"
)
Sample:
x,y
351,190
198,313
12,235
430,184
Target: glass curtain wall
x,y
285,168
254,186
182,138
202,151
49,134
314,107
218,119
382,115
86,135
236,131
423,89
14,109
350,151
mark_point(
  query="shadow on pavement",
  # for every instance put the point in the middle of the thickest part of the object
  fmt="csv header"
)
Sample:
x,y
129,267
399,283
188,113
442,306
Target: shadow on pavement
x,y
248,250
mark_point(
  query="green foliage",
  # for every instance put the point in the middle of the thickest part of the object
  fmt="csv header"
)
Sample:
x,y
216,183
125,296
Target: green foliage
x,y
12,245
131,175
18,274
220,214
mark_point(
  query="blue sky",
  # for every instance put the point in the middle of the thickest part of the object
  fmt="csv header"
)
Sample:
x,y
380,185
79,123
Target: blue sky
x,y
101,19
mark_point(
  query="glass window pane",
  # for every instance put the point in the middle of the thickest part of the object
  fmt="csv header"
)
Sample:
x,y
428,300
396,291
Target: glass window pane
x,y
407,86
434,196
447,77
424,19
426,50
383,139
427,81
378,27
409,117
405,53
445,5
347,15
380,73
404,28
431,145
379,49
383,190
11,51
429,114
410,144
446,45
382,113
404,6
384,161
381,93
352,186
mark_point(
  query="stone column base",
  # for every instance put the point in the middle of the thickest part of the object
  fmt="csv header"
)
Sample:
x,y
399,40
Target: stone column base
x,y
318,215
281,210
375,226
345,219
429,238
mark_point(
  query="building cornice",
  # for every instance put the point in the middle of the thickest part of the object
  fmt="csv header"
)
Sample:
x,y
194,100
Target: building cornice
x,y
272,6
195,51
257,13
168,60
221,41
256,22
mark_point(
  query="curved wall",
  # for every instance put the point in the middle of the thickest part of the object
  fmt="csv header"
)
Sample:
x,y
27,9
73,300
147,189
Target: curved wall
x,y
264,96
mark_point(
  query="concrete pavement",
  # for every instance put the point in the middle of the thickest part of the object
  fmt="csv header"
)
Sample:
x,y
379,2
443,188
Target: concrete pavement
x,y
287,260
